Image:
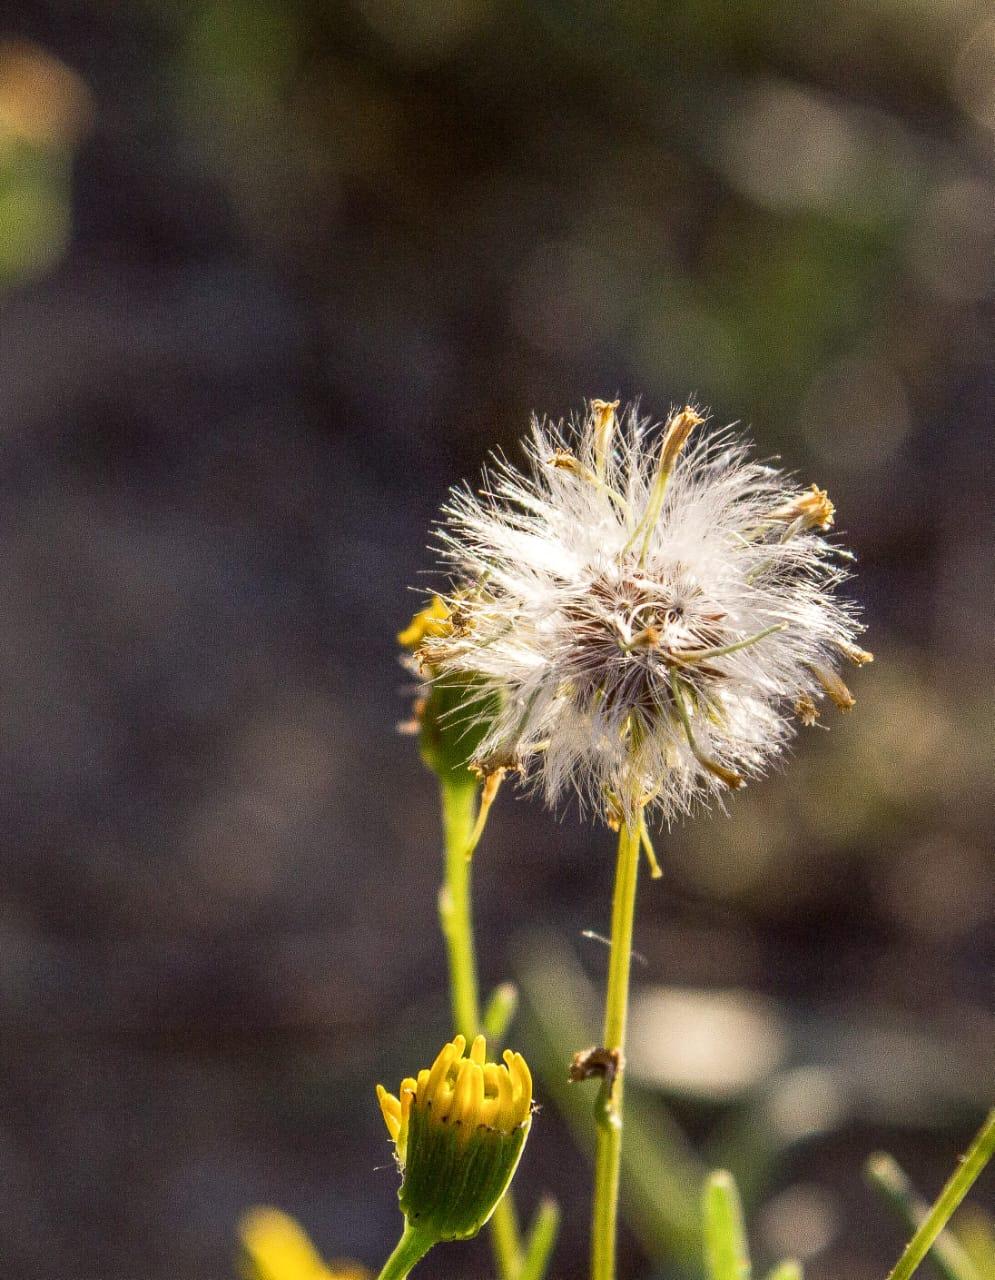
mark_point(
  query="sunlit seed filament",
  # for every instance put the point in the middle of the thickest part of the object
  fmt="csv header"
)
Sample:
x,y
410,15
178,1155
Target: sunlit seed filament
x,y
722,651
833,687
604,428
732,779
675,437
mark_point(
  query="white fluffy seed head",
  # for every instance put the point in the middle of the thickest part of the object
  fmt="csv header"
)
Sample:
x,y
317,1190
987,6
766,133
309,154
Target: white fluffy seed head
x,y
652,617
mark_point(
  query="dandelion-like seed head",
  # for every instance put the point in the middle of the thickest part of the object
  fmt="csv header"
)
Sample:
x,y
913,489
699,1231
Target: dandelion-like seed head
x,y
458,1130
650,611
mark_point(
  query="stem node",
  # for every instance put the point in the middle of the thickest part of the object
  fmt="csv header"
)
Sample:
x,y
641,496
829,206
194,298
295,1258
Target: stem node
x,y
608,1108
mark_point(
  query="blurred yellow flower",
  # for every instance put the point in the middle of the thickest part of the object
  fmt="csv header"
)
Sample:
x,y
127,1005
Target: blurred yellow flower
x,y
275,1247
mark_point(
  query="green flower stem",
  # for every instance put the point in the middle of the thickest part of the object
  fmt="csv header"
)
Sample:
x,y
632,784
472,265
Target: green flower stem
x,y
459,811
608,1109
411,1248
459,808
961,1181
660,1172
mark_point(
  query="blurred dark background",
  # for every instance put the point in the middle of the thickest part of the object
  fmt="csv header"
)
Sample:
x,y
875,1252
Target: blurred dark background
x,y
273,274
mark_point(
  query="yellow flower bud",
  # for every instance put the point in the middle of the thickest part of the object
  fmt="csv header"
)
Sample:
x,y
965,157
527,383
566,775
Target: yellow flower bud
x,y
458,1131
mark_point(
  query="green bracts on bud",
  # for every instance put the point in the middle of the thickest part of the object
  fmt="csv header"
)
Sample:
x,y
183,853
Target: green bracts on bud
x,y
452,1184
452,722
453,716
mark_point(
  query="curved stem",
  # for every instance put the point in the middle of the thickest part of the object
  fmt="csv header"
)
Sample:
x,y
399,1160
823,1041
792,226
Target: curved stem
x,y
459,808
971,1164
608,1109
948,1255
411,1248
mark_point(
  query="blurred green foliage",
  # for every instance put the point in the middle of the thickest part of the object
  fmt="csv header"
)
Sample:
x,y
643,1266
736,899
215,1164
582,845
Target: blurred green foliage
x,y
45,111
